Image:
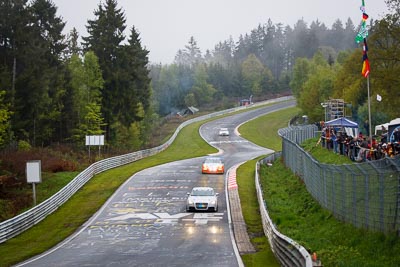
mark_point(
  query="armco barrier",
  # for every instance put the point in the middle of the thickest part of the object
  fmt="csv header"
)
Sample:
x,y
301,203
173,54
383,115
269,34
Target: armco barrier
x,y
288,252
29,218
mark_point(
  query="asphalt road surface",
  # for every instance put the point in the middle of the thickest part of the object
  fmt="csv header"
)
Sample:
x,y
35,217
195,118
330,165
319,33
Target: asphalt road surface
x,y
145,223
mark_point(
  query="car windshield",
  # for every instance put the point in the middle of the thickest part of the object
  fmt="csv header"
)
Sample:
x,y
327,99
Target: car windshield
x,y
202,192
213,160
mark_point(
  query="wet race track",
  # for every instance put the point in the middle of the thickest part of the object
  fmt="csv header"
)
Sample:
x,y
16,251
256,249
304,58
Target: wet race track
x,y
145,222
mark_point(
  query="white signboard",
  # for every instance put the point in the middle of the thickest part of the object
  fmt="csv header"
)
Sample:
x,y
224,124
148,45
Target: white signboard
x,y
33,171
95,140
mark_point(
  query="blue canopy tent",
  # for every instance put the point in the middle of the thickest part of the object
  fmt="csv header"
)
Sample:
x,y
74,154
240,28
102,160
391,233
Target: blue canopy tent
x,y
341,122
350,127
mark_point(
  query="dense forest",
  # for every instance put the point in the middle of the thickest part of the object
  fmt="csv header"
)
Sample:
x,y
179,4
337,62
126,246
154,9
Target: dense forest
x,y
315,80
57,88
258,64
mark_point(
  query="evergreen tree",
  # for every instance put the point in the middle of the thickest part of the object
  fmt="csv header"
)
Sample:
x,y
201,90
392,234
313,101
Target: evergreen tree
x,y
221,78
106,33
133,81
349,33
191,55
38,43
14,21
167,93
303,41
223,53
203,91
337,36
4,118
140,72
321,32
242,48
73,46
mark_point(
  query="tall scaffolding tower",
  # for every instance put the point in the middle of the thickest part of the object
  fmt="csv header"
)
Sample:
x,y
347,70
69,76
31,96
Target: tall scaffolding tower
x,y
334,108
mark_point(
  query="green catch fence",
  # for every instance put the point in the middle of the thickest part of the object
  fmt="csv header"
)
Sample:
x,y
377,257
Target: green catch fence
x,y
366,194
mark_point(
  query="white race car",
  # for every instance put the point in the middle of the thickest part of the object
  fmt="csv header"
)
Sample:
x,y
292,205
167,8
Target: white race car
x,y
223,132
202,199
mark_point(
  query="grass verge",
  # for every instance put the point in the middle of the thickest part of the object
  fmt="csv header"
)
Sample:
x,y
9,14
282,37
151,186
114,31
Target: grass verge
x,y
251,213
297,215
261,131
70,216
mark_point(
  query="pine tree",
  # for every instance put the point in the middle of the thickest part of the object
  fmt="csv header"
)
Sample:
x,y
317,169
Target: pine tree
x,y
73,47
106,33
4,118
140,64
191,55
37,45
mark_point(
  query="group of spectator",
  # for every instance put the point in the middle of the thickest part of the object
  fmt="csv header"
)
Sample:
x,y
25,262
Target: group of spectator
x,y
360,148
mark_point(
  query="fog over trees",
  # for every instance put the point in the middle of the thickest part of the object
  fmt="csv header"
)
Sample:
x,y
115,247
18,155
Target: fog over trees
x,y
55,89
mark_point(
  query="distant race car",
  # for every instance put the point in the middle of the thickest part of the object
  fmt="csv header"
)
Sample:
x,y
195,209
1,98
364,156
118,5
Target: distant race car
x,y
223,132
202,199
213,165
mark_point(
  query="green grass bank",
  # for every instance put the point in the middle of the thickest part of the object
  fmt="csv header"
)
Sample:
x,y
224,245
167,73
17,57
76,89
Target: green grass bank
x,y
297,215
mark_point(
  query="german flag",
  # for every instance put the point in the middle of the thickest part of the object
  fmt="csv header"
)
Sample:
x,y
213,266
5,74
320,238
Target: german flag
x,y
365,68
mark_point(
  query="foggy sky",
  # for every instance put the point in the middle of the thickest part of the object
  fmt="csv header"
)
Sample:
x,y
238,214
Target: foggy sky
x,y
165,26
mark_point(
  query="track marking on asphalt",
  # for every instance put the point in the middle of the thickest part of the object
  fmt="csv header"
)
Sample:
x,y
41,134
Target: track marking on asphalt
x,y
166,218
171,181
204,218
132,188
228,142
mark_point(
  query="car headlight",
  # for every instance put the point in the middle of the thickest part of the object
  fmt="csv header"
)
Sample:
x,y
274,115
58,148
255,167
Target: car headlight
x,y
212,202
190,202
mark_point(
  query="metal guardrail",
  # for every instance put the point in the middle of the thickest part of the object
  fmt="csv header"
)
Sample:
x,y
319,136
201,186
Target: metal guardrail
x,y
288,251
22,222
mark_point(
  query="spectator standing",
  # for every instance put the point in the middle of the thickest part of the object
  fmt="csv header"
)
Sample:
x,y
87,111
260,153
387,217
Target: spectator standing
x,y
328,138
323,137
352,148
341,139
334,141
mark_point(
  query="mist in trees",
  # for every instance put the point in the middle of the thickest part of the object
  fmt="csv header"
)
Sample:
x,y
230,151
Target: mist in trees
x,y
259,63
314,82
59,88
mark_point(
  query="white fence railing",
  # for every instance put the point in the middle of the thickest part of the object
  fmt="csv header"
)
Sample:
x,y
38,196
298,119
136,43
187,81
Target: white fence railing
x,y
288,252
22,222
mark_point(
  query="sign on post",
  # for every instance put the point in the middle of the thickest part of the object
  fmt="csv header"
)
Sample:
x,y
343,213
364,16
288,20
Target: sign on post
x,y
34,175
94,140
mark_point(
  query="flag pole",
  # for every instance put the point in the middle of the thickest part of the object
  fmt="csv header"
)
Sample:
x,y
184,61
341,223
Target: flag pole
x,y
369,114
